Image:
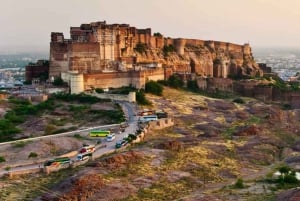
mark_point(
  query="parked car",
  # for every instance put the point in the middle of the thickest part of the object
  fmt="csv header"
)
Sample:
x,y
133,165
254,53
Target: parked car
x,y
121,143
111,137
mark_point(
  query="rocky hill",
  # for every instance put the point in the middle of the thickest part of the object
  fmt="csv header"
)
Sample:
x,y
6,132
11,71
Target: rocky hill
x,y
217,150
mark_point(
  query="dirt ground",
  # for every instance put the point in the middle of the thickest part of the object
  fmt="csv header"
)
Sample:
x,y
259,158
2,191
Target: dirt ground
x,y
214,143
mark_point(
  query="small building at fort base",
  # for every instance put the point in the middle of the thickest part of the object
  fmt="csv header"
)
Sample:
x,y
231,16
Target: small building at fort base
x,y
39,70
101,55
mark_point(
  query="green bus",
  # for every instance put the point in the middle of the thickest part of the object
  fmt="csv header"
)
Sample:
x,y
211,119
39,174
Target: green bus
x,y
99,133
58,161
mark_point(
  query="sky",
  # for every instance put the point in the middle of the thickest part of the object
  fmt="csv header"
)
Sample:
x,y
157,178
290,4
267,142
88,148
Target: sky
x,y
26,25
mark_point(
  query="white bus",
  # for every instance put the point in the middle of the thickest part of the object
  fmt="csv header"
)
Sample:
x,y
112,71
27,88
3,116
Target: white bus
x,y
148,118
84,156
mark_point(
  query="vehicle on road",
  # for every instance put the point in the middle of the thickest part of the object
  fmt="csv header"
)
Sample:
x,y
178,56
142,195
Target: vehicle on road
x,y
111,137
58,161
99,133
84,156
87,148
124,125
121,143
121,130
161,114
144,119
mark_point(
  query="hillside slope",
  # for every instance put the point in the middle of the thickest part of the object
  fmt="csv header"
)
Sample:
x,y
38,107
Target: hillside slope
x,y
214,143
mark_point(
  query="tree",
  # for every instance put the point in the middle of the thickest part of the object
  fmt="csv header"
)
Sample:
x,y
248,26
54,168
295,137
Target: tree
x,y
175,81
192,85
58,82
154,88
141,99
287,175
157,34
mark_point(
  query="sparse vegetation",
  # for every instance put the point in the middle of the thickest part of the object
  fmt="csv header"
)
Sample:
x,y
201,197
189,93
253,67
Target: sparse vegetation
x,y
21,144
32,155
81,98
141,47
168,49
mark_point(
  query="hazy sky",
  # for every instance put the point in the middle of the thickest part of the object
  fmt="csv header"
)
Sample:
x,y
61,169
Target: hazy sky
x,y
26,25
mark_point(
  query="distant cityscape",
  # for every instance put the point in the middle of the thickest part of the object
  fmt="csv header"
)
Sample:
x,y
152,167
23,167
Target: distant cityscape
x,y
285,62
12,68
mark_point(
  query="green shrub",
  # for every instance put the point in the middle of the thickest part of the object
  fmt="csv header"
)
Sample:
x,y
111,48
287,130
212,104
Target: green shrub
x,y
239,183
175,81
81,98
50,128
192,86
78,136
32,155
99,91
167,49
2,159
141,98
141,47
163,82
46,105
154,88
131,137
122,90
286,106
157,34
59,82
238,100
20,144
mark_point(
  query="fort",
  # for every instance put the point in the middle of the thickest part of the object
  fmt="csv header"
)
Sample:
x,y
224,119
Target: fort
x,y
101,55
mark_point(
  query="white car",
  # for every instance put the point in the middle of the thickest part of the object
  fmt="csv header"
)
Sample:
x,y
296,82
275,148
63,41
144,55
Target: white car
x,y
110,137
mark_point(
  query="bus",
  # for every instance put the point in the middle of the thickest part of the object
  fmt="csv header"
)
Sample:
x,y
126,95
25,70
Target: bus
x,y
84,156
148,118
99,133
58,161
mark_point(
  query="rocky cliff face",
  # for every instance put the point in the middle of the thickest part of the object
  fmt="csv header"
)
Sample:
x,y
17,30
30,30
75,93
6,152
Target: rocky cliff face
x,y
205,58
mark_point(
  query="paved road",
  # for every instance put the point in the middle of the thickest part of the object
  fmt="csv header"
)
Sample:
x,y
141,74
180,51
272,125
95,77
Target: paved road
x,y
105,147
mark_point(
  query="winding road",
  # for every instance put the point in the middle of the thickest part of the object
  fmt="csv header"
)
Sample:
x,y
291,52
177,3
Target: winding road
x,y
130,110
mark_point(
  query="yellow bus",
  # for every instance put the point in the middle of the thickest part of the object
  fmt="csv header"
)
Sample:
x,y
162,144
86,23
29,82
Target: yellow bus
x,y
99,133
